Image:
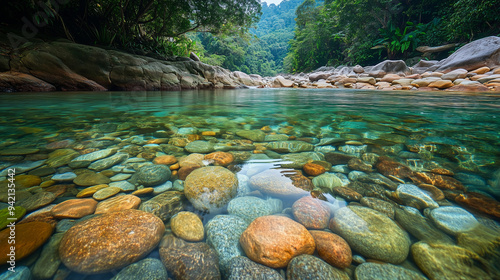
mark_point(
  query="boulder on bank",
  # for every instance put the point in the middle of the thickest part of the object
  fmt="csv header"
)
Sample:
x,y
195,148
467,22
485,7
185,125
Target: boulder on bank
x,y
66,66
479,53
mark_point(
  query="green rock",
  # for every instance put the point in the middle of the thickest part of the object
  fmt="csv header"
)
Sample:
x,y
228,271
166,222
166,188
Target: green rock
x,y
327,182
49,261
375,271
290,146
254,135
5,214
298,160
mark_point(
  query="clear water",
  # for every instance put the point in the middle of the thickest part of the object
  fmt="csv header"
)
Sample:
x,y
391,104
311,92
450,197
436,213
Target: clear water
x,y
455,131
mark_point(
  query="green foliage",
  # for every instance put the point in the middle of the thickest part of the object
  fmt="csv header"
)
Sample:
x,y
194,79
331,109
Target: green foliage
x,y
472,19
157,26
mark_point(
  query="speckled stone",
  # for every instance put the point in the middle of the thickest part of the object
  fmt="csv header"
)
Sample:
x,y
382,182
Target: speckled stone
x,y
37,201
47,264
290,146
90,179
74,208
249,207
64,177
118,203
311,213
419,226
380,205
104,193
255,135
200,146
153,175
210,188
376,271
371,233
223,234
29,237
187,226
274,240
242,268
447,261
86,159
307,267
118,238
146,269
327,182
220,158
332,248
164,205
281,183
165,160
453,220
90,190
413,196
143,191
189,260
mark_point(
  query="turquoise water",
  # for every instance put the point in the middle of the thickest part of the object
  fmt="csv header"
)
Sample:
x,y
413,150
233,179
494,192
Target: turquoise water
x,y
426,132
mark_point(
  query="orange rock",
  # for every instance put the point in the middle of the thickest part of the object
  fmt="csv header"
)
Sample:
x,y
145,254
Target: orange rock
x,y
480,203
175,166
74,208
185,171
313,169
347,193
58,190
102,194
47,184
28,238
188,226
442,171
440,181
481,70
275,240
117,238
118,203
166,160
311,213
389,167
90,190
143,191
208,133
192,160
433,191
220,158
193,137
441,84
332,248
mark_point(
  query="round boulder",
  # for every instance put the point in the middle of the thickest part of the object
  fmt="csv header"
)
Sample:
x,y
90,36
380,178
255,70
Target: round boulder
x,y
152,175
110,241
210,188
275,240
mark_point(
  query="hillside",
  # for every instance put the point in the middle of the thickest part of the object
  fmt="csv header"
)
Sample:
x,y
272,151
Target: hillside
x,y
263,51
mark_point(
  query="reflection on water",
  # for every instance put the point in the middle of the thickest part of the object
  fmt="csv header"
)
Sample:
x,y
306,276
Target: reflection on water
x,y
418,171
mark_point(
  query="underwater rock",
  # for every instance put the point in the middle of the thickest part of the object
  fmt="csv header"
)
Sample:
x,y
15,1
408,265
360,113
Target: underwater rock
x,y
37,200
375,271
189,260
165,160
336,158
419,226
389,167
29,237
223,234
108,162
357,164
255,135
371,233
146,269
220,158
290,146
282,183
64,177
152,175
164,205
199,146
249,207
274,240
187,226
17,213
85,160
210,188
242,268
118,239
307,267
90,179
440,181
311,213
379,205
118,203
327,182
411,195
480,203
453,220
332,248
298,160
447,261
74,208
124,186
48,262
313,169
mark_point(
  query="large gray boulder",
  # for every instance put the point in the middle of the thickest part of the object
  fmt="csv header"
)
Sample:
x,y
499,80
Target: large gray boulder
x,y
479,53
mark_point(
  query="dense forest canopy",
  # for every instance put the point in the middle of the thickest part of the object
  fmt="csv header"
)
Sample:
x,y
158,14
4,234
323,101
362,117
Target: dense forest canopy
x,y
366,31
254,37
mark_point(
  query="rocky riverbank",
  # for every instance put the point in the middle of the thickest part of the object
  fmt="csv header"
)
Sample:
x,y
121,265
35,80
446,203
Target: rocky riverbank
x,y
66,66
474,67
